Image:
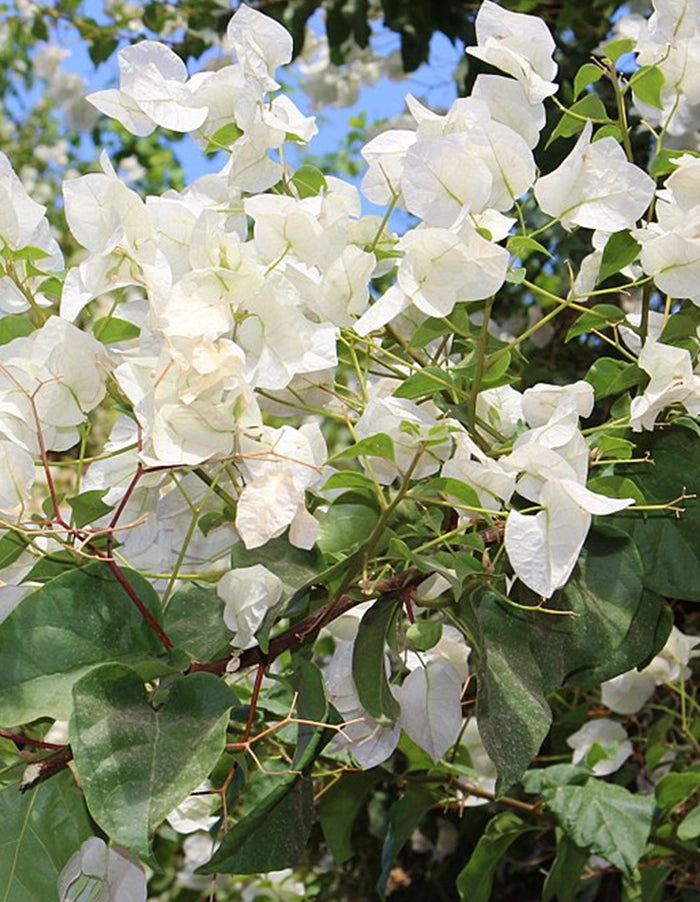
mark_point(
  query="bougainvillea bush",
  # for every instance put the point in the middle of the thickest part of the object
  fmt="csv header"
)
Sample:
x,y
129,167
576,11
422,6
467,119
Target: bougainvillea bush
x,y
308,572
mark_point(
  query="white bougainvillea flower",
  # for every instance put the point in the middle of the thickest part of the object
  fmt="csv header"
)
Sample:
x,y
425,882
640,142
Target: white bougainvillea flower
x,y
152,91
260,43
280,466
672,382
671,663
16,476
543,548
410,426
508,104
20,216
194,813
609,737
502,408
628,692
370,742
102,873
518,44
671,248
431,712
441,177
596,187
385,157
249,593
542,401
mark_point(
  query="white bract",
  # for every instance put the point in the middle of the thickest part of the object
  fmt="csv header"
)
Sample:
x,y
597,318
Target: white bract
x,y
606,740
249,593
596,187
518,44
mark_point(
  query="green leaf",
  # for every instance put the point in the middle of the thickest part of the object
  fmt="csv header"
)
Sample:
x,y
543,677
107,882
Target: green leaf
x,y
617,487
309,181
424,634
588,107
347,523
339,808
194,621
663,163
136,763
647,84
80,619
110,330
223,138
669,545
88,506
605,818
518,244
513,715
404,816
101,47
449,485
368,662
600,317
348,479
41,829
613,50
563,877
673,789
12,544
609,376
616,625
620,250
272,836
689,827
431,380
588,74
380,445
475,881
16,325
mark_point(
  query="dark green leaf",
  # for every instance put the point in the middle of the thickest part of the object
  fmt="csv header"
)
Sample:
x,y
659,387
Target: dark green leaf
x,y
475,880
41,829
272,836
294,566
431,380
57,633
101,47
88,506
514,717
12,545
404,817
347,523
368,662
339,808
609,376
194,621
669,545
674,788
136,763
562,880
605,818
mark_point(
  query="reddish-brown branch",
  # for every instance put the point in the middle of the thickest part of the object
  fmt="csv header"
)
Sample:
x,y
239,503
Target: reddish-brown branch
x,y
25,740
48,766
147,615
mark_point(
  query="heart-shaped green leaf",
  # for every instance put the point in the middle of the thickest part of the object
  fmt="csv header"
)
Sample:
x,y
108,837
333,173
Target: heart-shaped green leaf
x,y
136,763
79,619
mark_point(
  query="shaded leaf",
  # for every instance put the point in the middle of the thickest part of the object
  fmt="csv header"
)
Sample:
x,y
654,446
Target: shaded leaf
x,y
80,619
41,828
194,621
404,817
339,808
136,763
369,662
475,880
272,836
605,818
